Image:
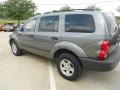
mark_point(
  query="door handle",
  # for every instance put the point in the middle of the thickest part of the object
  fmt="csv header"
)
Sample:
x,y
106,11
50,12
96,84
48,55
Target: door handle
x,y
31,36
54,38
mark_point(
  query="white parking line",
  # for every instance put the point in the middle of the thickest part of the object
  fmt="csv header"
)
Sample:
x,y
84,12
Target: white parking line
x,y
51,77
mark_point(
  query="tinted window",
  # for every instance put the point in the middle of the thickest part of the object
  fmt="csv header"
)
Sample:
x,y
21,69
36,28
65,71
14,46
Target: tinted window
x,y
30,25
111,22
49,24
79,23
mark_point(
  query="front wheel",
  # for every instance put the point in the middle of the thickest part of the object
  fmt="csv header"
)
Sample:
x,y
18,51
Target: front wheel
x,y
68,66
15,49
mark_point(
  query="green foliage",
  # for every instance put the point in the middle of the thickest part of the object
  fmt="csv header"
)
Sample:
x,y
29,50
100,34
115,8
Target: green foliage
x,y
66,8
1,11
63,9
19,9
3,21
93,7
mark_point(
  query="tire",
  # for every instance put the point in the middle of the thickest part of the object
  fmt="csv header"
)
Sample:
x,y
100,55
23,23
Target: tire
x,y
15,49
69,66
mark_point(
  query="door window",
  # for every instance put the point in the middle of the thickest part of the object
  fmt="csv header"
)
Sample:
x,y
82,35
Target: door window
x,y
30,26
49,24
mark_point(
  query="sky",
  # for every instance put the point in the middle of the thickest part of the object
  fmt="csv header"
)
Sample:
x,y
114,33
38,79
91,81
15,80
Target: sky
x,y
49,5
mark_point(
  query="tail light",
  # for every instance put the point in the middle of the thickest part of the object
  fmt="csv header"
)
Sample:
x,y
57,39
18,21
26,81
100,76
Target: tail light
x,y
104,50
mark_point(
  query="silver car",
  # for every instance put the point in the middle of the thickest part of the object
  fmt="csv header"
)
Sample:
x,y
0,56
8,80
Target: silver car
x,y
75,40
8,27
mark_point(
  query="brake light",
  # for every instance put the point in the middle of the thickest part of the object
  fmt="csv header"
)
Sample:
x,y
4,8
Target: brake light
x,y
104,50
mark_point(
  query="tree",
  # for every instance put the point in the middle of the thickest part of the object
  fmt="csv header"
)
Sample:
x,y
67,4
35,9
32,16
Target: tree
x,y
118,9
66,8
19,9
1,10
63,9
93,7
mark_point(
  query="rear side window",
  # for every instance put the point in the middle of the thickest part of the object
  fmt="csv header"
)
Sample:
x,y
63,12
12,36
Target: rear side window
x,y
79,23
49,24
111,22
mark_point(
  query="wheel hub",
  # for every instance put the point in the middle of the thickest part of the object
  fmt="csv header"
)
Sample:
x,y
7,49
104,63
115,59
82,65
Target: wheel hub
x,y
14,48
66,67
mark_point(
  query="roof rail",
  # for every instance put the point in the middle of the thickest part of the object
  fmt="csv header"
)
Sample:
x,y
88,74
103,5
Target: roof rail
x,y
85,9
72,10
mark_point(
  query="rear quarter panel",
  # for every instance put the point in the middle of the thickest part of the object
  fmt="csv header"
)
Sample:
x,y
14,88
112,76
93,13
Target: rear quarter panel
x,y
90,43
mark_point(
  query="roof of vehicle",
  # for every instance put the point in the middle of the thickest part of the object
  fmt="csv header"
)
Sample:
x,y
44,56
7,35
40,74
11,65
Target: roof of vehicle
x,y
74,11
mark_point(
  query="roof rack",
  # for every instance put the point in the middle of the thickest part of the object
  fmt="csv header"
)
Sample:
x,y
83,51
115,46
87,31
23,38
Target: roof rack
x,y
73,10
85,9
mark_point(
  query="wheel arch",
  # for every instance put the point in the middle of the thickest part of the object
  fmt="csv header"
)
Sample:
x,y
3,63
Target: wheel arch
x,y
69,47
11,40
60,51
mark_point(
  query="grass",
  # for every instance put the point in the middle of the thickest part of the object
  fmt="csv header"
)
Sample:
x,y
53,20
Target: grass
x,y
3,21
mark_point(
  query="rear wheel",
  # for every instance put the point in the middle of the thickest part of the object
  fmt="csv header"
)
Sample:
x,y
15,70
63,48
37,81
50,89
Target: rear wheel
x,y
68,66
15,49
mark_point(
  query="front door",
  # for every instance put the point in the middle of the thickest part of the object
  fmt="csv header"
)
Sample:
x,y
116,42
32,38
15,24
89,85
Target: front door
x,y
26,34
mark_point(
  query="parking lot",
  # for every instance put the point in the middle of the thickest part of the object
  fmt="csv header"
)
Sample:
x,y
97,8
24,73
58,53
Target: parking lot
x,y
32,72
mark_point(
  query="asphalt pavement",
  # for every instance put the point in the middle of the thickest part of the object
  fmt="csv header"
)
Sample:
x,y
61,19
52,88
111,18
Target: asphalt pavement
x,y
32,72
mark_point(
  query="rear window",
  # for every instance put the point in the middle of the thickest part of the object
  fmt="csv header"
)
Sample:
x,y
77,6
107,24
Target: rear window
x,y
111,22
79,23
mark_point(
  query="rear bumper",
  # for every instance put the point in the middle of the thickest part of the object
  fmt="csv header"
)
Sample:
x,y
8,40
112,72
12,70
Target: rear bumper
x,y
110,63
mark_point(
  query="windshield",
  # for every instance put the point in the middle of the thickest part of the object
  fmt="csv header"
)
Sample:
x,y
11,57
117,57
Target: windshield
x,y
111,22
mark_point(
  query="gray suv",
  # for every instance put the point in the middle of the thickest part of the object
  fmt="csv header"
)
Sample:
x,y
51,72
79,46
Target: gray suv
x,y
75,40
